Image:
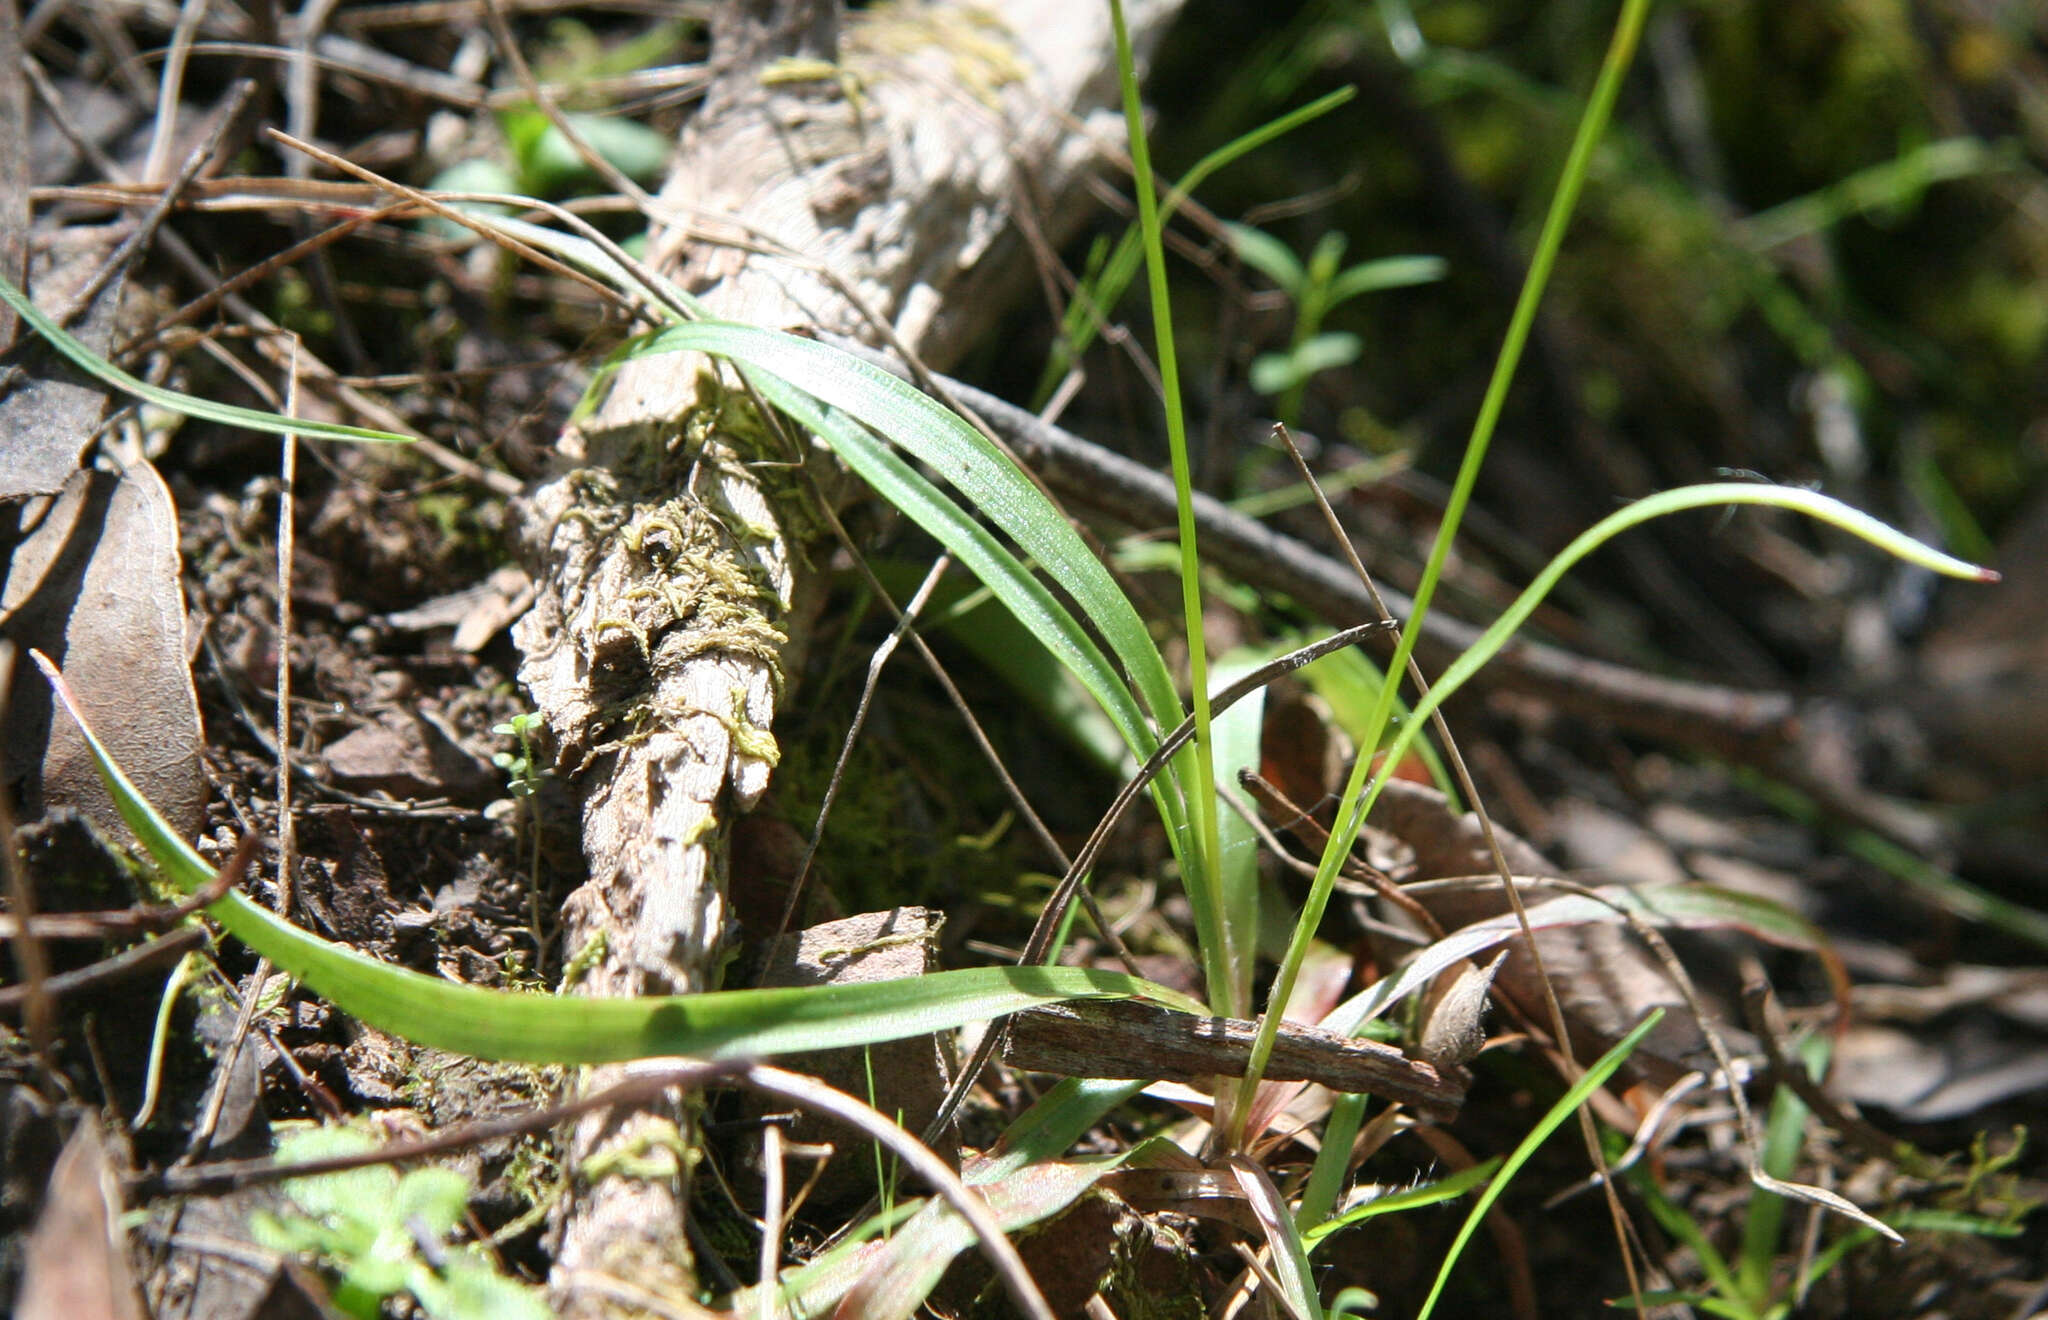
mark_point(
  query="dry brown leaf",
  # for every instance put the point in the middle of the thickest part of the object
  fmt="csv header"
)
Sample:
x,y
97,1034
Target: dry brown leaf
x,y
1604,979
1454,1014
93,584
51,415
76,1263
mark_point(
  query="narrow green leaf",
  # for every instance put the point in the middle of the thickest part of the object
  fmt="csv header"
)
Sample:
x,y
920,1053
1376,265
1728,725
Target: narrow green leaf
x,y
1199,860
962,456
1385,273
1448,1188
1592,1079
1098,297
1356,804
537,1028
1056,1121
1027,599
185,405
1268,256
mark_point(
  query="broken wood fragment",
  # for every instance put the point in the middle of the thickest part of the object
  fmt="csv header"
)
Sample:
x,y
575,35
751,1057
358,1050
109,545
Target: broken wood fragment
x,y
1130,1038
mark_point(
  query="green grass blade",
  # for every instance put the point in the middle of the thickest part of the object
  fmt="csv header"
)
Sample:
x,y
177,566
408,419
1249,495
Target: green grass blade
x,y
1461,671
1935,885
1333,1161
537,1028
1896,182
1238,732
1027,599
1594,1077
1095,300
185,405
1055,1122
1356,803
991,483
1447,1188
1228,978
1813,504
1686,1230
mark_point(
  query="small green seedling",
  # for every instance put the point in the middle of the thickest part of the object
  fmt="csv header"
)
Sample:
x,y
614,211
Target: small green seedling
x,y
1317,289
523,777
387,1234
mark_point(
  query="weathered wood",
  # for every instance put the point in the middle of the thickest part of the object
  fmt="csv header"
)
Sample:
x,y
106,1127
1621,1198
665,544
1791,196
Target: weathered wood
x,y
669,580
1129,1038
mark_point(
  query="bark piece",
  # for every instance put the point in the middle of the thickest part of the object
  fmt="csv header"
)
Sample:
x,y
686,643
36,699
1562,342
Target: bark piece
x,y
1127,1038
905,1079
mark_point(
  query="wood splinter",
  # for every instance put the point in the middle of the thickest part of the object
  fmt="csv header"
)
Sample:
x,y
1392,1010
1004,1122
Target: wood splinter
x,y
1131,1039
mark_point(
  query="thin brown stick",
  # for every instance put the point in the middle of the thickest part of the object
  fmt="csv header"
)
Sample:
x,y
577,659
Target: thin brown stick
x,y
31,959
129,962
170,86
876,663
939,1175
508,46
233,1175
1311,832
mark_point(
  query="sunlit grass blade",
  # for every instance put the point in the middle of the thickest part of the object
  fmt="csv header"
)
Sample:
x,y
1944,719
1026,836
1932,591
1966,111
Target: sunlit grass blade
x,y
537,1028
1621,48
1228,983
1594,1077
964,458
1826,509
1238,732
1096,299
1447,1188
185,405
1027,599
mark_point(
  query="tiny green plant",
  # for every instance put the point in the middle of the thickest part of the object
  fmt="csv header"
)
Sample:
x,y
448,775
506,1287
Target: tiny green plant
x,y
1317,287
386,1234
524,776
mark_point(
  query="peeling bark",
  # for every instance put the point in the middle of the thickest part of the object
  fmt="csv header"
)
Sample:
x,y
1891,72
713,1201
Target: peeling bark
x,y
894,148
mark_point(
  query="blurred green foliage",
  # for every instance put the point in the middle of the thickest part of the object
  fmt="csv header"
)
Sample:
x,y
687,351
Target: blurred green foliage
x,y
1844,195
